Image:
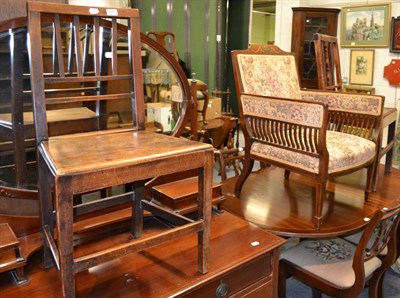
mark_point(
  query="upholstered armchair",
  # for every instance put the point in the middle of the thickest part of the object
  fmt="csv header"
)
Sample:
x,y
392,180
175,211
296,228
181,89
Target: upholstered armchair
x,y
315,133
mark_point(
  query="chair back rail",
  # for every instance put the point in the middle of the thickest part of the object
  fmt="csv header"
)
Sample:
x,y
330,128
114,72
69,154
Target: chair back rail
x,y
167,40
383,225
104,50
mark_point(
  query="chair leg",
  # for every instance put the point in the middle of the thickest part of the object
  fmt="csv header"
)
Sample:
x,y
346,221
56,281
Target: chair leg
x,y
376,284
370,180
137,209
319,201
379,290
247,167
316,293
46,213
282,280
64,214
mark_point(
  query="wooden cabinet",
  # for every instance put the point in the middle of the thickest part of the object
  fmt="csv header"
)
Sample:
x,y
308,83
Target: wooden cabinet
x,y
306,22
243,263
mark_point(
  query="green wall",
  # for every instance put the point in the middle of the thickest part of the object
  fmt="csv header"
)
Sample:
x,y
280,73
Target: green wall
x,y
201,56
196,56
262,28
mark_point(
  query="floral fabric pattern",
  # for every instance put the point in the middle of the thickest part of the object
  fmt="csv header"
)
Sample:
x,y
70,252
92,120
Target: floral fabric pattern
x,y
280,109
331,259
270,75
345,151
330,249
346,102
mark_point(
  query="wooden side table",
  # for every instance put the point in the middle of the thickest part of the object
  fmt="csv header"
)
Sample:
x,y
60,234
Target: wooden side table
x,y
389,118
10,254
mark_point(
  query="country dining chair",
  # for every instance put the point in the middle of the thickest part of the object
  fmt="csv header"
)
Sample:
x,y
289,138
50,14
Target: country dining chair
x,y
340,268
318,134
74,164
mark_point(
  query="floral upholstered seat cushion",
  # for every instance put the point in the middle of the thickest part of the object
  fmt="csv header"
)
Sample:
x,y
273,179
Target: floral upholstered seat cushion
x,y
329,259
345,151
269,75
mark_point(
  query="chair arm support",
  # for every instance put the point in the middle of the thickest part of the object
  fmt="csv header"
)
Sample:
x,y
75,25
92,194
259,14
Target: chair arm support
x,y
290,124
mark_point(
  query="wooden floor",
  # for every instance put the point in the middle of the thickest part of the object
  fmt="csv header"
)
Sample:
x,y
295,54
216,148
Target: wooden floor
x,y
285,207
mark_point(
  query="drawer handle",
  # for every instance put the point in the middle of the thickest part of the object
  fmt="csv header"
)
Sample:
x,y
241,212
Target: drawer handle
x,y
222,290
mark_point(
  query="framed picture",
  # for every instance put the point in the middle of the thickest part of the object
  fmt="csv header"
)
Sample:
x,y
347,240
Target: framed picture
x,y
362,67
365,26
395,35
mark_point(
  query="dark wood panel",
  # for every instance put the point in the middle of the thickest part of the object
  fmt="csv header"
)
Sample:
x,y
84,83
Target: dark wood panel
x,y
171,268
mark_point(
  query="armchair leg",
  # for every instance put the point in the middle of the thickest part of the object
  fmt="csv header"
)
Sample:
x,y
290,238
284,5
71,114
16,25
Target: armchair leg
x,y
247,167
319,201
370,181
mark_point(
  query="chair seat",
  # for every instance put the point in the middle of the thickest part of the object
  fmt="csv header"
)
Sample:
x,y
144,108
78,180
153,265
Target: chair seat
x,y
345,151
329,259
94,151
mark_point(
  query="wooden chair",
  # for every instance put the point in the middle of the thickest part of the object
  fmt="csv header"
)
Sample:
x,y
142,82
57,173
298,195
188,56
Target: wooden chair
x,y
230,159
330,79
78,163
16,122
328,62
167,40
310,132
340,268
389,254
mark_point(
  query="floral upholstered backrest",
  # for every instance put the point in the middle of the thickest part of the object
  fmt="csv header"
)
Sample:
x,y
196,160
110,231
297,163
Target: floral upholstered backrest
x,y
337,101
269,75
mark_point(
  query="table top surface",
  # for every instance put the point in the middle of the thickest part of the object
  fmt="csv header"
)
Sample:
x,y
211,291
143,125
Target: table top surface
x,y
159,271
285,207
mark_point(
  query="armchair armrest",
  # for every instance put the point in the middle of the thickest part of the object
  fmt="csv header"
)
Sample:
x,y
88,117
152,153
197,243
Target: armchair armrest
x,y
289,124
357,114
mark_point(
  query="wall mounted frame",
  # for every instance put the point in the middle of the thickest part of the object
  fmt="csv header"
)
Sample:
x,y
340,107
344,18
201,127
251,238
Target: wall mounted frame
x,y
362,67
395,35
365,26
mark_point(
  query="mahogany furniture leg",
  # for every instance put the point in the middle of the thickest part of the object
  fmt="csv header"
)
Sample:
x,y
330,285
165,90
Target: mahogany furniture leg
x,y
389,118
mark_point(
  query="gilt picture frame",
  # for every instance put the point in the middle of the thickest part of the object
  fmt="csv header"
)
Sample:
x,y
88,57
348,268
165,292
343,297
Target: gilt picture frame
x,y
395,35
362,67
365,26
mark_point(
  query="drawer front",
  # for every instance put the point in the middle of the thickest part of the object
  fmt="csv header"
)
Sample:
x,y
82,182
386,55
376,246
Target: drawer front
x,y
237,279
261,289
